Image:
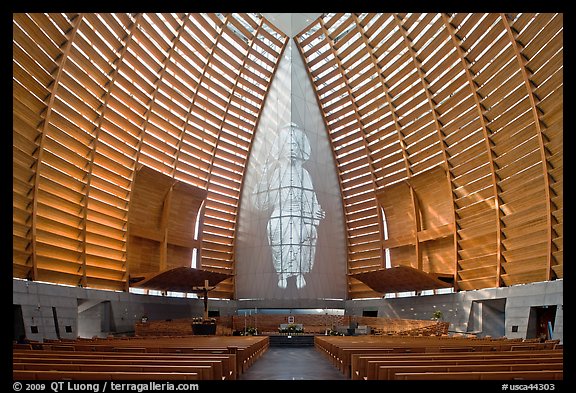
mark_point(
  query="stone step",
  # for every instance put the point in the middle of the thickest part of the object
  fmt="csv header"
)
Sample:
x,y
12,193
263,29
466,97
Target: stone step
x,y
292,341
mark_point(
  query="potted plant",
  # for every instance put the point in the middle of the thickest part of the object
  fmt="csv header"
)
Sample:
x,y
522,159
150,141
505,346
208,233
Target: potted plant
x,y
437,315
250,331
293,328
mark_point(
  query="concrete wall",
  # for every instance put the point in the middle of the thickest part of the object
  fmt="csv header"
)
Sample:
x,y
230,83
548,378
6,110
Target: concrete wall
x,y
459,308
37,301
91,312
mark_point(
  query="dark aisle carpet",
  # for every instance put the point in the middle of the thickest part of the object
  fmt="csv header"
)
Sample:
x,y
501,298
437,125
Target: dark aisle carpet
x,y
292,363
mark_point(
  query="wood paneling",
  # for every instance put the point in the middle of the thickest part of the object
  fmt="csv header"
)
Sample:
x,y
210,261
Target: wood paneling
x,y
161,222
420,222
460,92
96,96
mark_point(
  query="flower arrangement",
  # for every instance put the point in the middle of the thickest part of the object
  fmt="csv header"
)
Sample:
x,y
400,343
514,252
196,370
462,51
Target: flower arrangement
x,y
291,329
198,320
249,331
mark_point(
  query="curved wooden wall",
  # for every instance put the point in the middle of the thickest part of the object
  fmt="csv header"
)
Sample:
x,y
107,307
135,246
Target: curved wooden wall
x,y
97,95
479,95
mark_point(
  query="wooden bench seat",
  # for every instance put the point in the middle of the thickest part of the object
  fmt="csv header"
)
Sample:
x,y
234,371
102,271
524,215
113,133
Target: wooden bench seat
x,y
205,371
225,364
374,367
488,375
214,372
341,349
21,375
247,348
343,360
389,373
386,357
364,366
21,346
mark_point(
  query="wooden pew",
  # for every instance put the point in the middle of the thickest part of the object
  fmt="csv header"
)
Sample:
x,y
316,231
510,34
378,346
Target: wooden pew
x,y
344,361
224,364
389,373
547,375
364,366
247,349
214,367
205,371
340,349
22,375
374,367
21,346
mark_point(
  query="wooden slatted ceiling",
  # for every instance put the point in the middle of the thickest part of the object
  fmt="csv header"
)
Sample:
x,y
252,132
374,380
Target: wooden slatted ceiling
x,y
96,95
343,117
479,94
467,169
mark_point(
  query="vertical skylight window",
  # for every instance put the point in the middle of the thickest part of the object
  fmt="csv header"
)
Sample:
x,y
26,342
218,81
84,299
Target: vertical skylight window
x,y
387,260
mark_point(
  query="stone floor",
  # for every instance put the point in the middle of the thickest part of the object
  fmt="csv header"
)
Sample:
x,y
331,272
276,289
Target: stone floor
x,y
292,363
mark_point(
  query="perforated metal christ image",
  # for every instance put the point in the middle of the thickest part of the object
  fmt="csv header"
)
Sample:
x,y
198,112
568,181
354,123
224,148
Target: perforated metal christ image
x,y
286,187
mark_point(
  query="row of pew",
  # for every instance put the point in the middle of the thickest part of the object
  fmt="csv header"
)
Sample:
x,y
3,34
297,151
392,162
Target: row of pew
x,y
442,357
136,358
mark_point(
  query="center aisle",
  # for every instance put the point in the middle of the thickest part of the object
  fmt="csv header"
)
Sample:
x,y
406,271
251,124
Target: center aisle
x,y
292,363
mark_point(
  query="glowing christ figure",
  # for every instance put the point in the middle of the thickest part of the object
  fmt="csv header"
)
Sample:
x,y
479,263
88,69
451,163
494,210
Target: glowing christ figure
x,y
286,187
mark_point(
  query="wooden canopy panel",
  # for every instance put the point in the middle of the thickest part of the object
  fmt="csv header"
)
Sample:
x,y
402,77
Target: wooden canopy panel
x,y
420,222
162,220
402,279
179,279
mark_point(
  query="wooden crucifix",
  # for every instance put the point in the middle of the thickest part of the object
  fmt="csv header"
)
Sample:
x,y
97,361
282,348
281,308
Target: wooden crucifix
x,y
205,289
